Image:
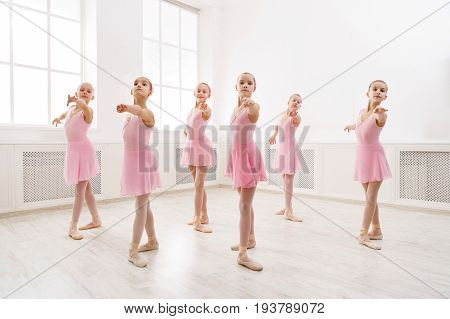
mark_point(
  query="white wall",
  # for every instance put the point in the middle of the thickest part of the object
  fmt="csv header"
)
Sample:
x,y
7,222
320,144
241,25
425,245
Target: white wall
x,y
297,46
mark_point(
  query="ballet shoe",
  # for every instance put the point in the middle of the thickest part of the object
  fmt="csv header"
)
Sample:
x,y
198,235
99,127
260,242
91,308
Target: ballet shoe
x,y
251,244
150,245
203,229
290,216
91,225
364,240
73,232
137,260
280,212
243,260
134,257
375,234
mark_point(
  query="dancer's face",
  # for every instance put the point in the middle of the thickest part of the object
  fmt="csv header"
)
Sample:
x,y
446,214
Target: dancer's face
x,y
295,102
202,93
377,92
142,88
86,92
245,85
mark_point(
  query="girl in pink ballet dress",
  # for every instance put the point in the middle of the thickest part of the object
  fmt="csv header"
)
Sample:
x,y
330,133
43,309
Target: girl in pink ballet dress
x,y
245,165
81,163
286,160
139,171
198,154
371,166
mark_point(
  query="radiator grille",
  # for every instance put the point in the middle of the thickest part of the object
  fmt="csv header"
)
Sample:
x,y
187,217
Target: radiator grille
x,y
425,176
43,176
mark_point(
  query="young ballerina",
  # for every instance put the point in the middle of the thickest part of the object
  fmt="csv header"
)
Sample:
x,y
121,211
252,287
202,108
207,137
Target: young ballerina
x,y
80,164
371,166
198,154
139,173
245,165
286,160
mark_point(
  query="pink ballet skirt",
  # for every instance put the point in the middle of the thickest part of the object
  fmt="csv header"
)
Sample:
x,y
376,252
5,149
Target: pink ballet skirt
x,y
81,162
197,150
245,164
286,159
140,169
371,164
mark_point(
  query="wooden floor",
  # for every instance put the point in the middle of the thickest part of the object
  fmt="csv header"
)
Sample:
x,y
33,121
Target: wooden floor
x,y
318,258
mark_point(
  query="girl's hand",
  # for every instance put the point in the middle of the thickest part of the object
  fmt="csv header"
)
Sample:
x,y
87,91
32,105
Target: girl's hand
x,y
246,101
71,99
349,127
204,107
122,108
380,110
272,140
295,119
56,121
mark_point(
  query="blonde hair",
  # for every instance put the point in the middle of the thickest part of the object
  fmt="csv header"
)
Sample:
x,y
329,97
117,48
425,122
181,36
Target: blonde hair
x,y
86,83
151,86
254,81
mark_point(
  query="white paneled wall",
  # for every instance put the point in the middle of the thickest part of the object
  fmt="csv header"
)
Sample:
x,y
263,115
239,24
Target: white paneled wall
x,y
425,176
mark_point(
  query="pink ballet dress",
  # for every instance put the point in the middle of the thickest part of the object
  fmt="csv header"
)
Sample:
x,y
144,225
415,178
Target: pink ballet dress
x,y
140,169
371,164
286,159
81,162
197,150
245,163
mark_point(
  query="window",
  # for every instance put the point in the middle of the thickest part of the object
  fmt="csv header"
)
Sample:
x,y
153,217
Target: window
x,y
170,58
37,71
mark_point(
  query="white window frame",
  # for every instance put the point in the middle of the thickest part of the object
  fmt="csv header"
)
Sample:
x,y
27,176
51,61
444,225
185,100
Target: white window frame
x,y
49,70
159,42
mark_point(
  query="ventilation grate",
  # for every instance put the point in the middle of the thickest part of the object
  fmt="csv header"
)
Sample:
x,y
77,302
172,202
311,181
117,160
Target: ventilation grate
x,y
183,175
43,176
303,179
425,176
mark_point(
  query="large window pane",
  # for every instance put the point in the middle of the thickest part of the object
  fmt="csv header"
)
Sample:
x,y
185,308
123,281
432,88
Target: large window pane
x,y
170,66
170,104
30,96
151,61
187,103
155,98
62,58
188,69
5,107
151,19
4,33
62,85
29,42
35,4
170,23
188,30
66,8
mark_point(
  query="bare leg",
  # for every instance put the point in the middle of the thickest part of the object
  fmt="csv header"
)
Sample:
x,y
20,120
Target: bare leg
x,y
288,191
198,199
140,220
152,243
205,218
245,225
80,190
375,232
369,211
251,240
90,201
